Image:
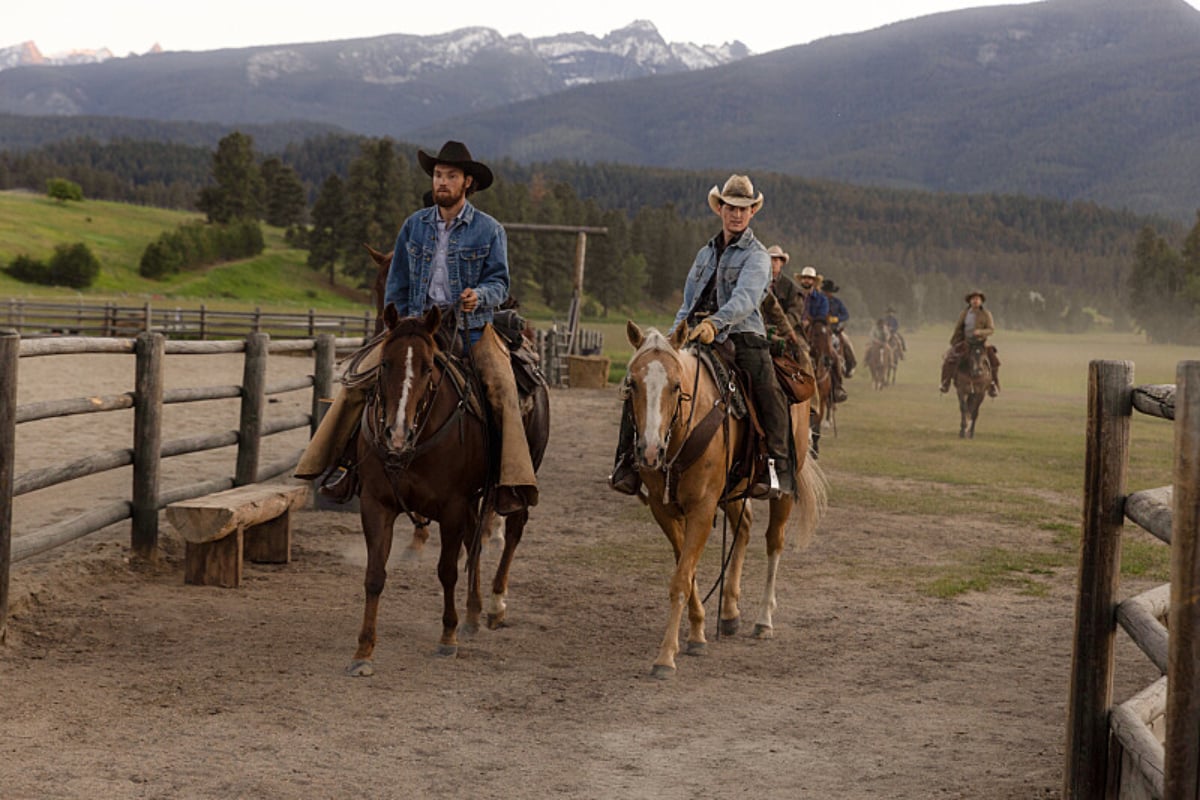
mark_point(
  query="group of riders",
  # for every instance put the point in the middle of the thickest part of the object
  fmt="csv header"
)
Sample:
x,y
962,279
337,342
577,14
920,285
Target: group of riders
x,y
736,297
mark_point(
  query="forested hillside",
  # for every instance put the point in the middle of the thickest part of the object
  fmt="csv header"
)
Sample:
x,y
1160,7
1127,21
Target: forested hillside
x,y
1041,261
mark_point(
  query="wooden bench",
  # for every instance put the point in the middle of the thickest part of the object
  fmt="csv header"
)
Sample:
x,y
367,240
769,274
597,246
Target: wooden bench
x,y
247,522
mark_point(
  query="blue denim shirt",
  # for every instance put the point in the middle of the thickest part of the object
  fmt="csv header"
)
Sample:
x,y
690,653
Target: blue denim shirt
x,y
477,259
744,276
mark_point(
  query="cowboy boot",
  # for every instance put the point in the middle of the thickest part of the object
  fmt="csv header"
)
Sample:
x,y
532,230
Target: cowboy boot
x,y
625,477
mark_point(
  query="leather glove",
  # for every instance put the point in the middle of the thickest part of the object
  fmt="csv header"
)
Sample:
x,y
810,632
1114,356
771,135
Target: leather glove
x,y
705,332
832,320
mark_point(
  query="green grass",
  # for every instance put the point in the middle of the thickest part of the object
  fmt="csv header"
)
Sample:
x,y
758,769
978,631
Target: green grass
x,y
117,233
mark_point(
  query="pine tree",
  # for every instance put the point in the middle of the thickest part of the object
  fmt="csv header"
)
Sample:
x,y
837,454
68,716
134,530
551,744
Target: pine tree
x,y
284,198
238,181
328,230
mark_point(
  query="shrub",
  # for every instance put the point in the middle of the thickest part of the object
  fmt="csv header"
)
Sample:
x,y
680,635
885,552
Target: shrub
x,y
74,265
197,244
62,190
28,269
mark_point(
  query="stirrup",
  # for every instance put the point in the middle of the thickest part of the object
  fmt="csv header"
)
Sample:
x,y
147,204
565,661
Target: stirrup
x,y
339,485
770,487
625,479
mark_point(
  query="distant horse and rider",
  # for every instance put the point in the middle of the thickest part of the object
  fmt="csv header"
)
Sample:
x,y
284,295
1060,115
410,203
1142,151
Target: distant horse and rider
x,y
971,364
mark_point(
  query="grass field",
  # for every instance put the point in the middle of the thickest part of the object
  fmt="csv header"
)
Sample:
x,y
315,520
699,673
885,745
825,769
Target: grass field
x,y
898,451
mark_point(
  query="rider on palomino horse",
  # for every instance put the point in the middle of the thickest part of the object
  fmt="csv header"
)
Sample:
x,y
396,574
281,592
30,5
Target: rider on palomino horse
x,y
974,326
726,284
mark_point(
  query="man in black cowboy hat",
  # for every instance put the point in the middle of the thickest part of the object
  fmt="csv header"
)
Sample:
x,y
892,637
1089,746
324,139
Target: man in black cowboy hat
x,y
838,315
456,257
974,326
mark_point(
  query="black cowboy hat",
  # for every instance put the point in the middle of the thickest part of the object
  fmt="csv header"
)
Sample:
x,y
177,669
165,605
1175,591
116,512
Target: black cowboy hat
x,y
829,286
456,154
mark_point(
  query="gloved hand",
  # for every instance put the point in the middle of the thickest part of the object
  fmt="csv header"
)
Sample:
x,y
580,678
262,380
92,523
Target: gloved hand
x,y
705,332
832,319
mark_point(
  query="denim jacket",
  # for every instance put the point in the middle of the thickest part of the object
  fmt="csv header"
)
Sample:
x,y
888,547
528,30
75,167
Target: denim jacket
x,y
477,258
742,283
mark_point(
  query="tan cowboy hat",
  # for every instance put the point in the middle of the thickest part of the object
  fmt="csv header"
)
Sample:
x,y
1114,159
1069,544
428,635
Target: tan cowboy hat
x,y
738,191
775,251
807,272
456,154
972,293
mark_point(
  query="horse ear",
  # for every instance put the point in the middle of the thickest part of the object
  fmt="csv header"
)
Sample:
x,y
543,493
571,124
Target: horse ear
x,y
433,319
380,259
679,335
390,316
634,334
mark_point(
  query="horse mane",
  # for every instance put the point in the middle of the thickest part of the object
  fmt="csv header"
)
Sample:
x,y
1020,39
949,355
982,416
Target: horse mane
x,y
412,326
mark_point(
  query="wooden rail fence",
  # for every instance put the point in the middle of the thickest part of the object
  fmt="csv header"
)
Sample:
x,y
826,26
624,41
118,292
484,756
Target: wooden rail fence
x,y
149,446
1148,746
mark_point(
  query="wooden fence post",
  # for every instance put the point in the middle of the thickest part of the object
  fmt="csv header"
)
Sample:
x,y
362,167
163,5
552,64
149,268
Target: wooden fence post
x,y
1182,753
10,352
151,351
1110,404
254,383
322,375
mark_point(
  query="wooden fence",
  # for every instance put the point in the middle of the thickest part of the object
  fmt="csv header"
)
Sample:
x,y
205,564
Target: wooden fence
x,y
1148,746
148,447
33,319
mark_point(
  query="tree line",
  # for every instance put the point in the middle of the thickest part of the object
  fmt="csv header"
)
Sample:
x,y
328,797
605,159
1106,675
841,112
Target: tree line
x,y
1043,263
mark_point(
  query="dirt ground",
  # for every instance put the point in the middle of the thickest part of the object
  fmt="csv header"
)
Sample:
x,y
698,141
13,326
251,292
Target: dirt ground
x,y
119,681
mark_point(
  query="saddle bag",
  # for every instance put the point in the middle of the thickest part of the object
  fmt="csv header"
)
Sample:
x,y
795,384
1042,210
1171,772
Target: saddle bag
x,y
796,383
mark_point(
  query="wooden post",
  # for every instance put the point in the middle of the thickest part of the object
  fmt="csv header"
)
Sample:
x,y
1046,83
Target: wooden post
x,y
576,293
1181,776
151,351
322,375
10,352
203,321
254,384
1110,404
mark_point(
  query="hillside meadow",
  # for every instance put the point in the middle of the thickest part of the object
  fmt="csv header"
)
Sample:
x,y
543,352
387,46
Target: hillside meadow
x,y
117,233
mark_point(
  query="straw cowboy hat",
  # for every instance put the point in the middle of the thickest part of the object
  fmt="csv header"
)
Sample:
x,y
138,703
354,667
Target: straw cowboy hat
x,y
775,251
456,154
738,191
972,293
807,272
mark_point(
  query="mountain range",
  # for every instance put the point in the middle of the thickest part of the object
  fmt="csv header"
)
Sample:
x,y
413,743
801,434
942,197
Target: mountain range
x,y
1093,100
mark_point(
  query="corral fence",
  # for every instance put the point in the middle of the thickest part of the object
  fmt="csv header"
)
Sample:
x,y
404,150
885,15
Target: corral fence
x,y
149,447
1149,745
37,319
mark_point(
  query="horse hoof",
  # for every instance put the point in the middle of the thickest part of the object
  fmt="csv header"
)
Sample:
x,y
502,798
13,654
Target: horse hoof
x,y
360,669
662,673
730,626
763,632
447,650
695,648
496,622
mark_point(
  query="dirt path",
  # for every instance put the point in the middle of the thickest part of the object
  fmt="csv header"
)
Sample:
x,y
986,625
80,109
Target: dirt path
x,y
120,681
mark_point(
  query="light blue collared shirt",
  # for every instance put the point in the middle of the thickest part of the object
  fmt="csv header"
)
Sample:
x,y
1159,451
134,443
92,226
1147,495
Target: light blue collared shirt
x,y
439,282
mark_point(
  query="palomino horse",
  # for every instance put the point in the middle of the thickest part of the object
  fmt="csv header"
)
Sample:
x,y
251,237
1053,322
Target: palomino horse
x,y
971,381
881,362
672,396
424,449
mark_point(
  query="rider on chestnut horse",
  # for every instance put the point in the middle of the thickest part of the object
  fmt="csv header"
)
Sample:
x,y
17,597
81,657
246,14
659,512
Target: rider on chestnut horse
x,y
816,315
974,326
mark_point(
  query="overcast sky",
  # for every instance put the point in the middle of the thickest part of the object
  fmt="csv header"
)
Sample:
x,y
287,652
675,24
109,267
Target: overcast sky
x,y
126,26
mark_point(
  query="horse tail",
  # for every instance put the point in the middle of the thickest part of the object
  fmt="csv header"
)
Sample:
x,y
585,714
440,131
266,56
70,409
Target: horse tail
x,y
812,498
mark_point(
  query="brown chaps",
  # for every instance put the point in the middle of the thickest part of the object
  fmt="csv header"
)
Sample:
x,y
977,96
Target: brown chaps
x,y
958,352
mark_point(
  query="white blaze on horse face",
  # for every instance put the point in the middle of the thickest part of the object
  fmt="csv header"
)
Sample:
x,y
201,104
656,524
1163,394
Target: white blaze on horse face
x,y
653,440
400,428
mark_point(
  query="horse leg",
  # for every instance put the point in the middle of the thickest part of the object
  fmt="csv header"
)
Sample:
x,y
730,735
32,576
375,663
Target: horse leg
x,y
977,402
453,534
514,526
964,411
377,522
473,548
739,513
781,509
681,589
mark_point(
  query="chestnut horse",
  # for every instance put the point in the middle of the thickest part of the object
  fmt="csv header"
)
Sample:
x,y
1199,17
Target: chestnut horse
x,y
971,381
671,393
424,449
